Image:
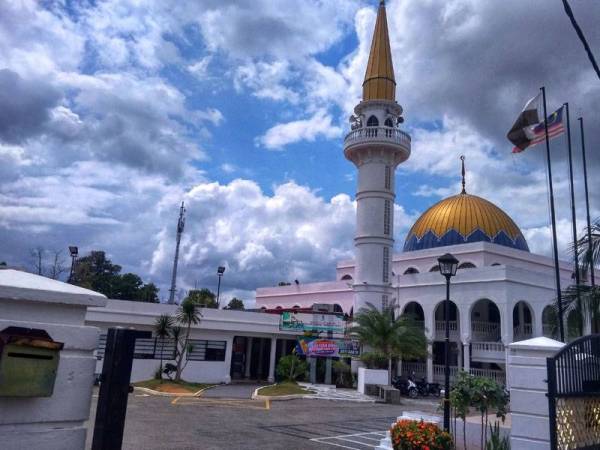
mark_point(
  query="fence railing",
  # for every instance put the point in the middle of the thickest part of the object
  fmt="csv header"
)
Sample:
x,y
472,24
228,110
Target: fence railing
x,y
521,332
440,329
485,330
419,369
385,134
496,375
439,373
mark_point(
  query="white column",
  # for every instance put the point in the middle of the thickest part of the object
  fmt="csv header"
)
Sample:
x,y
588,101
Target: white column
x,y
467,357
271,377
248,357
528,401
429,362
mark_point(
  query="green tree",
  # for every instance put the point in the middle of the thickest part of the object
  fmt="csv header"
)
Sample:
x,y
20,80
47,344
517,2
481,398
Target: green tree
x,y
202,297
95,271
291,368
393,337
235,303
581,303
162,329
188,314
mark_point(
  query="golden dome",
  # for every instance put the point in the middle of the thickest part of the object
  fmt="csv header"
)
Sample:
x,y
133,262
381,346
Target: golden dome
x,y
461,219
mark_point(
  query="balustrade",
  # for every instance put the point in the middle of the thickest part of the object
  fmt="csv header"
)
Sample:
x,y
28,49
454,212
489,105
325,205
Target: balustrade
x,y
377,133
485,330
496,375
418,368
521,332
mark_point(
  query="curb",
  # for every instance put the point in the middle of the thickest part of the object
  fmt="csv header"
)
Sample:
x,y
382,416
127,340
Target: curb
x,y
257,396
170,394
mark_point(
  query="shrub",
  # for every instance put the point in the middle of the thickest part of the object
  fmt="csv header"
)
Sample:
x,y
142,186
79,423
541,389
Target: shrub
x,y
414,435
291,368
496,441
374,360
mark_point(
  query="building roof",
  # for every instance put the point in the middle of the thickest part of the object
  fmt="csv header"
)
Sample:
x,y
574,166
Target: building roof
x,y
380,83
464,218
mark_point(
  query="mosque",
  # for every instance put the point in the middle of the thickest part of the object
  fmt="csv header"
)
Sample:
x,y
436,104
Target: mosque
x,y
501,293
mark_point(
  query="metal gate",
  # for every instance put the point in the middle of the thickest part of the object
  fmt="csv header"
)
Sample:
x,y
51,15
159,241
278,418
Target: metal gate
x,y
574,395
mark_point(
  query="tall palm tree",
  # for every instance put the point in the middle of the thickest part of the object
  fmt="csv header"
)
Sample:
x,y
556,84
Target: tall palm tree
x,y
581,303
188,314
162,329
389,335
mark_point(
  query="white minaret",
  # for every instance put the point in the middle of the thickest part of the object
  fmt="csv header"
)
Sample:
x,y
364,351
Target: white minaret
x,y
376,146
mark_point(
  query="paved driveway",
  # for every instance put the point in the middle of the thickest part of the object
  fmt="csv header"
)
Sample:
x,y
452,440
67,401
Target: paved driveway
x,y
241,390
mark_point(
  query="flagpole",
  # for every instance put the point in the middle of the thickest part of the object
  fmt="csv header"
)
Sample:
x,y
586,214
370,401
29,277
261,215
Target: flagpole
x,y
587,202
573,216
553,219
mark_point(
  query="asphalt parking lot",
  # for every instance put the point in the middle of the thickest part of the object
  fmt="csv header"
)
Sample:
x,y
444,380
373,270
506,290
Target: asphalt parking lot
x,y
207,423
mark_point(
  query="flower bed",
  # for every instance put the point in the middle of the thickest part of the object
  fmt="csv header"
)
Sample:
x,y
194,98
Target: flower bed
x,y
414,435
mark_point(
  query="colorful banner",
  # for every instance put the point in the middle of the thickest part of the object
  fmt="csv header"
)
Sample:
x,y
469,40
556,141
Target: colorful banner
x,y
301,322
331,348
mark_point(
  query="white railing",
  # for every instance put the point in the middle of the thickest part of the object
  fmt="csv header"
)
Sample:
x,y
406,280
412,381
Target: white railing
x,y
496,375
488,351
521,332
385,134
439,372
485,330
418,368
440,328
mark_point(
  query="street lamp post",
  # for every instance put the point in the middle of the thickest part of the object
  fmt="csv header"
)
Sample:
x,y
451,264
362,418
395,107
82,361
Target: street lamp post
x,y
74,251
220,272
448,265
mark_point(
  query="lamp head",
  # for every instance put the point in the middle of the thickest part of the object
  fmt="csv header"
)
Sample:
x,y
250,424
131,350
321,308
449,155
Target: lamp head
x,y
74,251
448,265
220,270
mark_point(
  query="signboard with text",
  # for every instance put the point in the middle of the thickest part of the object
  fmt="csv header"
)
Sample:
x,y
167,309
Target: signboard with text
x,y
332,348
317,322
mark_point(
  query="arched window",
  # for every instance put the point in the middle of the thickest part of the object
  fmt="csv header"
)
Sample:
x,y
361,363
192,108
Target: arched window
x,y
278,307
372,122
296,307
411,270
337,308
435,268
467,265
347,277
496,264
388,123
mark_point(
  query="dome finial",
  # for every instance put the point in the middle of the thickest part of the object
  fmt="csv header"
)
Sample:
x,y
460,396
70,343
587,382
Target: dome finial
x,y
462,159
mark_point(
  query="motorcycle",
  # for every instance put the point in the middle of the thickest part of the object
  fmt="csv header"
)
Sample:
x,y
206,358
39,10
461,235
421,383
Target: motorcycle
x,y
406,386
426,389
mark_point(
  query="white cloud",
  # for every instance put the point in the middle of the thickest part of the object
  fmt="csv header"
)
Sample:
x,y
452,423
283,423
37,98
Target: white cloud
x,y
319,125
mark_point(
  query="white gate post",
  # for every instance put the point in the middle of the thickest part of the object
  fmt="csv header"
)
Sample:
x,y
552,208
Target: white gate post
x,y
528,388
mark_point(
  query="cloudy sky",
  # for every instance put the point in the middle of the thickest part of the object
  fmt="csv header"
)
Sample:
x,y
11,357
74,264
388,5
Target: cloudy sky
x,y
113,112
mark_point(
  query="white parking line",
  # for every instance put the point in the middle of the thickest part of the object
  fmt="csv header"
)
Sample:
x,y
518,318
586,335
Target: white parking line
x,y
331,440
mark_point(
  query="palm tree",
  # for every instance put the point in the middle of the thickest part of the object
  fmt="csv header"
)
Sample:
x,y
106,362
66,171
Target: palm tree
x,y
389,335
188,314
162,329
581,302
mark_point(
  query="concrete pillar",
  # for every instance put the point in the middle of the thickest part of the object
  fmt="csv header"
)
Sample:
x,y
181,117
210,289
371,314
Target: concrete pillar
x,y
248,357
399,367
272,361
528,402
429,362
261,353
466,357
312,364
55,421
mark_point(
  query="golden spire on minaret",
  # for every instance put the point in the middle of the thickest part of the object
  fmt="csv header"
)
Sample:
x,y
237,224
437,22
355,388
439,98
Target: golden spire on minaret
x,y
380,83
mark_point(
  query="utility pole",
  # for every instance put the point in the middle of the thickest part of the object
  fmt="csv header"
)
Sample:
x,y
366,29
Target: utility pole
x,y
180,226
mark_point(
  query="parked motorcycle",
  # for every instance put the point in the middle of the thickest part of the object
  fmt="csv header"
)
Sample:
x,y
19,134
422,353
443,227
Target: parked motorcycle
x,y
406,386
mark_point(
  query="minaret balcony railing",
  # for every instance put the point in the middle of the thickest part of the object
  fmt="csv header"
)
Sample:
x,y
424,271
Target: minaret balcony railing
x,y
377,134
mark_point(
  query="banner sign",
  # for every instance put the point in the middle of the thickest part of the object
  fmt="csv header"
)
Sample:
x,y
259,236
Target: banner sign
x,y
332,348
301,322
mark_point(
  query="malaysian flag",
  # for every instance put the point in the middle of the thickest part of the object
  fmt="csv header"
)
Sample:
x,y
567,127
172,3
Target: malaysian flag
x,y
528,129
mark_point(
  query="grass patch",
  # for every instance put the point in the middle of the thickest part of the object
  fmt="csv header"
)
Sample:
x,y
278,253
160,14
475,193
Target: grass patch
x,y
178,387
285,388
